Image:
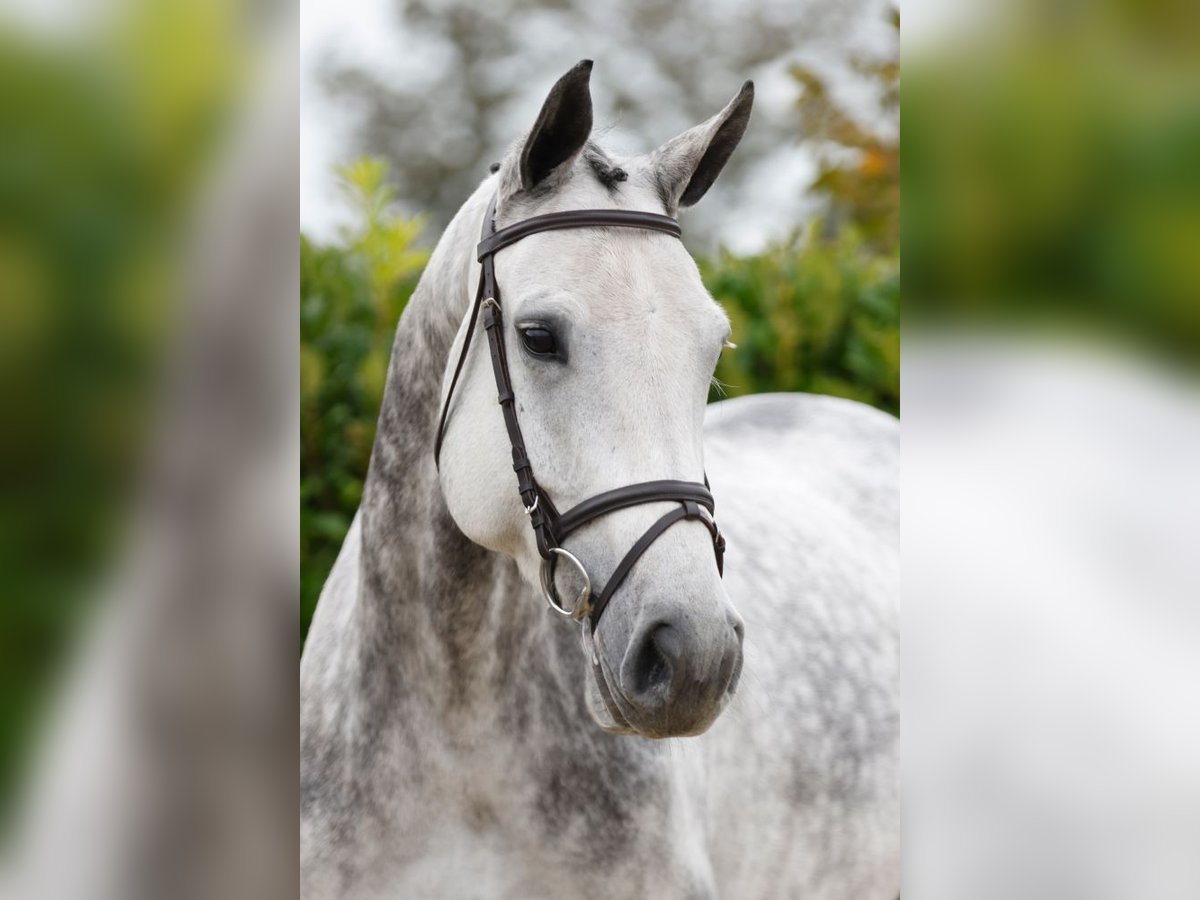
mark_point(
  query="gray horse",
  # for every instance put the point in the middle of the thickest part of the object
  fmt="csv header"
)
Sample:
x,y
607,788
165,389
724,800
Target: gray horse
x,y
455,739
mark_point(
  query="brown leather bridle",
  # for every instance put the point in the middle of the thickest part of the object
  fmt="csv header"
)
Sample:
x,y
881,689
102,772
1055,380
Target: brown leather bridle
x,y
549,526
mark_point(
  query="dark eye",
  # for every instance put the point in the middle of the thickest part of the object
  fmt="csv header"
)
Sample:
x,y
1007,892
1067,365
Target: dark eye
x,y
539,340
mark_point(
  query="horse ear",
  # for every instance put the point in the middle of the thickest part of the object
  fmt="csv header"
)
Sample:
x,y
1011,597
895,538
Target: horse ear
x,y
561,130
687,165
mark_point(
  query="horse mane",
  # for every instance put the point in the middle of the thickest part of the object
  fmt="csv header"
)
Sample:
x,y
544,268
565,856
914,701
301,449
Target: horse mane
x,y
606,172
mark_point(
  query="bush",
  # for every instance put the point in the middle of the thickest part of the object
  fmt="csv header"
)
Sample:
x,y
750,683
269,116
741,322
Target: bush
x,y
351,295
813,314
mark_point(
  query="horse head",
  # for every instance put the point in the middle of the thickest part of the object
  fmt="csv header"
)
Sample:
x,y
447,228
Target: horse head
x,y
610,341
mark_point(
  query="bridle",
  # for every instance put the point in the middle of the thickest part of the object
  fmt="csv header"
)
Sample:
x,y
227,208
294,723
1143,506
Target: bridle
x,y
550,527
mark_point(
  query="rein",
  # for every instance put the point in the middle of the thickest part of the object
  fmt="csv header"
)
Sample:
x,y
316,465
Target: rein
x,y
550,527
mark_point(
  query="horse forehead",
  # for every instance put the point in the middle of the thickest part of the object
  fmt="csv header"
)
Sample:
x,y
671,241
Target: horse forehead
x,y
608,274
614,275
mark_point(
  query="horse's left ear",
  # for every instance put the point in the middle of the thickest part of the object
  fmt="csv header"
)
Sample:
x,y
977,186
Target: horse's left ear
x,y
687,165
561,130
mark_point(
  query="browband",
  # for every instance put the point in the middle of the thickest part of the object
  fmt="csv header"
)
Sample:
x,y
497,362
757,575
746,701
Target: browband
x,y
575,218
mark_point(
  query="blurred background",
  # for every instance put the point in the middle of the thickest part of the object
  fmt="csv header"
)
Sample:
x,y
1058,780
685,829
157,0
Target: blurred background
x,y
148,449
1051,487
151,547
404,107
99,167
1051,173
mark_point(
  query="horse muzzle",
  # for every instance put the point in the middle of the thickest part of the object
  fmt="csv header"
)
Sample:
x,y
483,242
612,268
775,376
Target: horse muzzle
x,y
673,677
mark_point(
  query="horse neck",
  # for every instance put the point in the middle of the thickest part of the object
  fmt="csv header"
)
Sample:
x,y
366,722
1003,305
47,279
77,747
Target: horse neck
x,y
448,616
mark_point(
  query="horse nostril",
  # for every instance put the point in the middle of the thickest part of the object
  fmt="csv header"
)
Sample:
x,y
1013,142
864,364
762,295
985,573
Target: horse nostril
x,y
656,659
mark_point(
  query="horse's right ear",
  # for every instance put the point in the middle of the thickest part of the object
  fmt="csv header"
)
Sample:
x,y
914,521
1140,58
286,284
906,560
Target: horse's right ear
x,y
561,130
687,165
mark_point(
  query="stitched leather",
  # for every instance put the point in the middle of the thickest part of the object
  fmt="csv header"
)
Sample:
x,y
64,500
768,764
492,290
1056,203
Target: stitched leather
x,y
575,218
689,510
527,486
631,495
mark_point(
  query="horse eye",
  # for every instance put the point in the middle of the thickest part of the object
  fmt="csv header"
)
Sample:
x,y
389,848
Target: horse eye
x,y
539,340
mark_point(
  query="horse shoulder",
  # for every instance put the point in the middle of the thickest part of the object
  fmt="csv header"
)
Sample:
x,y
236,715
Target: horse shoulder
x,y
807,494
843,450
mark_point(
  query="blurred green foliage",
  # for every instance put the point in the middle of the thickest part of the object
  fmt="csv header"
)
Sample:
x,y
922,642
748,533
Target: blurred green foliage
x,y
813,314
351,295
1051,176
105,139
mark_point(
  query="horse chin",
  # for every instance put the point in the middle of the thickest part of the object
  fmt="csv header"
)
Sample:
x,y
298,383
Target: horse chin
x,y
603,710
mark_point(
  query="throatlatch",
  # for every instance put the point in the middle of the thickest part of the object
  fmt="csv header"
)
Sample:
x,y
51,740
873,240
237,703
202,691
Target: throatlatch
x,y
549,526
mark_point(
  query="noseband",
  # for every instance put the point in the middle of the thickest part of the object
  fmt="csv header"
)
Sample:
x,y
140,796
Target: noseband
x,y
549,526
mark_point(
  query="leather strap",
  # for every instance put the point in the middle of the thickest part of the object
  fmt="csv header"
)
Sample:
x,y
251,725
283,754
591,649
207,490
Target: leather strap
x,y
549,527
462,358
689,510
527,487
575,218
631,495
